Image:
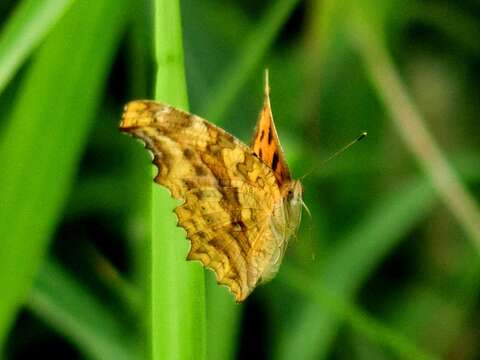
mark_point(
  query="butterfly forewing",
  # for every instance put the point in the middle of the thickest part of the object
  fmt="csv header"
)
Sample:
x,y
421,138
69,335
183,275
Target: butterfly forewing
x,y
266,144
234,196
229,194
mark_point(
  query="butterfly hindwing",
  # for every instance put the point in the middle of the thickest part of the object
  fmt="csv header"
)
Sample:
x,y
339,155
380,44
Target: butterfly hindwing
x,y
229,193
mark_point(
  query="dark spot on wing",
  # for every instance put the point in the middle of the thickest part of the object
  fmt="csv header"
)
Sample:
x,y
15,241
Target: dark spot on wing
x,y
188,153
199,170
180,119
262,134
260,153
189,184
208,219
201,235
270,135
274,161
216,243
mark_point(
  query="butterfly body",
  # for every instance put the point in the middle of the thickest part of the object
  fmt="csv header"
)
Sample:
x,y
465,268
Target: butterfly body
x,y
284,223
240,205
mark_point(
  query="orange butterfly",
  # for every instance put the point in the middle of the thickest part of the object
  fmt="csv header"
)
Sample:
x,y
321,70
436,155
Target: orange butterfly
x,y
241,205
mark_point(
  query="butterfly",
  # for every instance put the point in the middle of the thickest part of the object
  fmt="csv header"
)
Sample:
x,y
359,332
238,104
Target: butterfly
x,y
240,204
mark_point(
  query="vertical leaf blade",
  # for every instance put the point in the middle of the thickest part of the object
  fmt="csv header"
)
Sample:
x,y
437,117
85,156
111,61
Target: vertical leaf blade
x,y
23,32
178,293
45,135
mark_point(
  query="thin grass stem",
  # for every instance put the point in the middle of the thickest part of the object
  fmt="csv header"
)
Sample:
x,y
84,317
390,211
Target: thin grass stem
x,y
177,287
411,127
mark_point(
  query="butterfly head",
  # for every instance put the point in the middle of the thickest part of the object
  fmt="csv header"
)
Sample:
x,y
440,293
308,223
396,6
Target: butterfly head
x,y
293,206
294,191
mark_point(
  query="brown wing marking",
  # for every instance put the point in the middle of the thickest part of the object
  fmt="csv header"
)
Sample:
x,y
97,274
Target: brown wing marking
x,y
229,194
266,144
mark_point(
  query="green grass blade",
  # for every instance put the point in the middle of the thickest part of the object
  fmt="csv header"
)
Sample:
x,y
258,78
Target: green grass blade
x,y
256,46
410,124
74,312
24,30
356,318
224,320
457,23
43,140
352,261
178,290
355,257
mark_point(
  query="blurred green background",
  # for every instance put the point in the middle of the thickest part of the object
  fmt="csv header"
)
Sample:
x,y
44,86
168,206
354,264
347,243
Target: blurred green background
x,y
386,267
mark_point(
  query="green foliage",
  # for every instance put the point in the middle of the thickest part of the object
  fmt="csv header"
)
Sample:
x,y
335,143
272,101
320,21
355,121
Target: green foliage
x,y
91,263
42,142
178,290
65,305
24,30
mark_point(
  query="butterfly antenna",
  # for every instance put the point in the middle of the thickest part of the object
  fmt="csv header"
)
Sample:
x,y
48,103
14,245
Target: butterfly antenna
x,y
360,137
